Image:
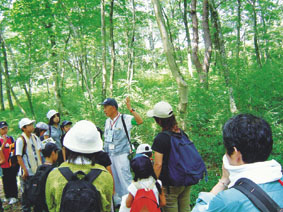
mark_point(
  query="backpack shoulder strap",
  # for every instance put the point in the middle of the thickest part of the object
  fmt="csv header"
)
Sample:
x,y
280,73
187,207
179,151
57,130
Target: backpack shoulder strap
x,y
256,195
67,173
25,145
93,174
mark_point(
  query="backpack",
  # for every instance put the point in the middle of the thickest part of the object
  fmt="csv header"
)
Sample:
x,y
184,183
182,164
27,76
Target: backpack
x,y
80,194
12,156
185,165
35,189
145,200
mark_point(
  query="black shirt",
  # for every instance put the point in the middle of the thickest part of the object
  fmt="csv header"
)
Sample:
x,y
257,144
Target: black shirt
x,y
102,158
162,144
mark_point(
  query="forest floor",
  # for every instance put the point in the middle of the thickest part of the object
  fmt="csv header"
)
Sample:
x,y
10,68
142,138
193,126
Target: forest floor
x,y
10,208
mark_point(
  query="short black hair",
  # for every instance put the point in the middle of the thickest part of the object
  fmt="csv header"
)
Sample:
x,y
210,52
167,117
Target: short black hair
x,y
72,156
251,135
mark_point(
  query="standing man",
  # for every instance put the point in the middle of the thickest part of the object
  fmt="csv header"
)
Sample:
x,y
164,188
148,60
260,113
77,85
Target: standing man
x,y
27,151
116,144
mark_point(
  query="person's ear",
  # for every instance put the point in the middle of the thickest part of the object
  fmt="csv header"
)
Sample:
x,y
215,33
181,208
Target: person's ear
x,y
238,156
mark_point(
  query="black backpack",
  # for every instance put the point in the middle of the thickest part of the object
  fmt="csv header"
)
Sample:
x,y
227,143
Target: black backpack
x,y
35,189
80,194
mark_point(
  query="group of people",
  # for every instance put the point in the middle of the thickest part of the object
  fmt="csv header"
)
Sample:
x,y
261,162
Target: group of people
x,y
81,152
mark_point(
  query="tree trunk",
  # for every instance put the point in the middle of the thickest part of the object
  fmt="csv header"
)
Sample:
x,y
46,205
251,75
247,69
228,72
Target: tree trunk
x,y
258,59
1,88
29,101
6,73
195,57
103,37
189,48
207,40
168,49
113,59
131,50
239,20
220,49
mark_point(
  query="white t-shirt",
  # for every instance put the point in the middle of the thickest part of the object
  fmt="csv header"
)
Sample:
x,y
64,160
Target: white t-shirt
x,y
19,151
145,183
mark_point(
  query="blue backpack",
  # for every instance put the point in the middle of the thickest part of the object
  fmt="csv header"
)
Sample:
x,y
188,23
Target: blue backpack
x,y
185,165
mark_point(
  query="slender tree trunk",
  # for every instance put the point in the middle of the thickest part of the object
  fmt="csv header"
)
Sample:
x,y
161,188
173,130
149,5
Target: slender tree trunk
x,y
103,36
220,49
131,54
188,39
239,20
6,73
195,41
1,88
168,49
207,40
266,37
113,57
29,100
257,53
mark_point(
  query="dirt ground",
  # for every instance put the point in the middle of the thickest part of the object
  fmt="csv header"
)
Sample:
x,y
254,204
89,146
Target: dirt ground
x,y
10,208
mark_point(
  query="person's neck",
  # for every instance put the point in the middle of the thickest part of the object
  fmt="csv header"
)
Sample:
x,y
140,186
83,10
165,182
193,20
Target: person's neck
x,y
28,134
48,161
114,115
55,125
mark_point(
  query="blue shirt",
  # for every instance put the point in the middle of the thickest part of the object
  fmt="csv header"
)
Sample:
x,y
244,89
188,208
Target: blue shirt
x,y
232,200
115,138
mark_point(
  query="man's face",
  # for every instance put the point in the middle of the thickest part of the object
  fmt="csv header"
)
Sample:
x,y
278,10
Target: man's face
x,y
109,110
29,128
4,130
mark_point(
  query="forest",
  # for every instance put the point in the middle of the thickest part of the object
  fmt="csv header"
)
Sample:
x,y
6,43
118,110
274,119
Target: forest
x,y
209,59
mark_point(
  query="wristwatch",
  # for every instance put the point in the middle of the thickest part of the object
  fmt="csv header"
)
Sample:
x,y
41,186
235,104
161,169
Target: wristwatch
x,y
132,110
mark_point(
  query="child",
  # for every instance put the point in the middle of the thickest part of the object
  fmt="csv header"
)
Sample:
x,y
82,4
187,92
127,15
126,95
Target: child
x,y
65,127
40,129
9,171
50,153
144,179
2,160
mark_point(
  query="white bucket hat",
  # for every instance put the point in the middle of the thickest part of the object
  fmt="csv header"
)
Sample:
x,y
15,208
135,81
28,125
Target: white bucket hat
x,y
25,121
83,137
51,113
143,148
161,110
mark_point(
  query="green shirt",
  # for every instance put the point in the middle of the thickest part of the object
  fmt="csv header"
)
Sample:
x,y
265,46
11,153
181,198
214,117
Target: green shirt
x,y
56,182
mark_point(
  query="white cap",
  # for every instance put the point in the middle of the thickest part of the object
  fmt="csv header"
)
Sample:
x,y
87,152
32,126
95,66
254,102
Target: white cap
x,y
51,113
42,126
25,121
161,110
83,137
143,148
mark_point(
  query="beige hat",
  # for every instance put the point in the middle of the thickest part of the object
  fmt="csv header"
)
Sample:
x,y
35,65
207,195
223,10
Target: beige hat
x,y
83,137
51,113
161,110
25,121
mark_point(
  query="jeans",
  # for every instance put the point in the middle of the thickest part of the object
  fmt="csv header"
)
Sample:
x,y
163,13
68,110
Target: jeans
x,y
122,175
25,204
177,198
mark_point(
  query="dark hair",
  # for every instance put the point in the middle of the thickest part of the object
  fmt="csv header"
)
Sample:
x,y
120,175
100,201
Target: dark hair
x,y
72,156
142,168
167,123
51,122
37,131
252,136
